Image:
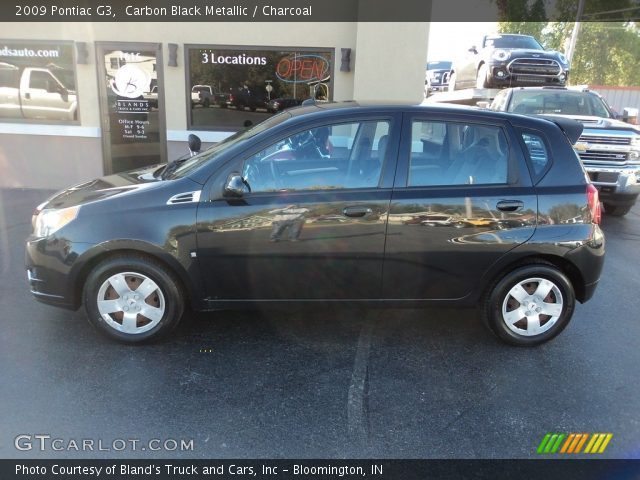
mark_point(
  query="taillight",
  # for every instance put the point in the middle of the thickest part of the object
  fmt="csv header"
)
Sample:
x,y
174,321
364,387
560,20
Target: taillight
x,y
593,201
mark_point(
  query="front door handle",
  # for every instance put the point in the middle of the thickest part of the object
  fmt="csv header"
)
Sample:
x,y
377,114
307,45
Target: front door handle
x,y
27,96
509,205
356,211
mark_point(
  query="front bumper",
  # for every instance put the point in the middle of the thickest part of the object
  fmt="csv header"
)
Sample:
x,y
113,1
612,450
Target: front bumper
x,y
504,74
617,185
52,265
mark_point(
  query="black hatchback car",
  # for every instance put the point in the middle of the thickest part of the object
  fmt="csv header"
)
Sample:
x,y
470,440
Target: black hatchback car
x,y
323,204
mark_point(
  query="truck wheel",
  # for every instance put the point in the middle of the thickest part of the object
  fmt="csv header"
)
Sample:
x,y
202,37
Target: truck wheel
x,y
529,305
481,79
132,299
616,210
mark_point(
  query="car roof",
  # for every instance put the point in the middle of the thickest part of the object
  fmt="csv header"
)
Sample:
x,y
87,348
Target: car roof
x,y
358,107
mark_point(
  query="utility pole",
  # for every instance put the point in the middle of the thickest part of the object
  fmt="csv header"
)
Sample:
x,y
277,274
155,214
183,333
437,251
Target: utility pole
x,y
574,34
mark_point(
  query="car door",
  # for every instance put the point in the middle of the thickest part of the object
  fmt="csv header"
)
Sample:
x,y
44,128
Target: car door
x,y
462,199
313,225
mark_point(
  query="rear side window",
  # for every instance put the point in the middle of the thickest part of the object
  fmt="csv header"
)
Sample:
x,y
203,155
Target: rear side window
x,y
456,153
538,152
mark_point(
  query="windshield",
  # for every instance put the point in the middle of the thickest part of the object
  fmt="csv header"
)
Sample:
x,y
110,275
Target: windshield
x,y
212,152
512,41
438,65
559,102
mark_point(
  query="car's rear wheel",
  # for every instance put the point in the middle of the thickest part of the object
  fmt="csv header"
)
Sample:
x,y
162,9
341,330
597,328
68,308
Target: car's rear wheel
x,y
530,305
452,82
616,210
132,299
481,79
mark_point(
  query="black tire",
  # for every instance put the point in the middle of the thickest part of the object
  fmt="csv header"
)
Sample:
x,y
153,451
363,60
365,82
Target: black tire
x,y
499,296
165,302
616,210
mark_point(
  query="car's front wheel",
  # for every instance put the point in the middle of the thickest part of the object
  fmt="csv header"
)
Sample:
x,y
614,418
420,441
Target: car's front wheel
x,y
132,299
530,305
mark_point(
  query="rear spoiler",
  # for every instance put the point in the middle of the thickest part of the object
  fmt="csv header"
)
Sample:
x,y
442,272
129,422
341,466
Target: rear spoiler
x,y
571,128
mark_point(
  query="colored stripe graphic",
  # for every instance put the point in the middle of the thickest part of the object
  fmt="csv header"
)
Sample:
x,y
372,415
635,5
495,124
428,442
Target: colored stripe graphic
x,y
598,443
543,443
584,439
572,443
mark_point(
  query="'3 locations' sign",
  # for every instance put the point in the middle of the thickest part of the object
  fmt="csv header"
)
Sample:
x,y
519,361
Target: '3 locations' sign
x,y
302,68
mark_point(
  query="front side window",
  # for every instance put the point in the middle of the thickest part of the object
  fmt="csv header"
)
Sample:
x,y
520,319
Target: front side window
x,y
339,156
453,153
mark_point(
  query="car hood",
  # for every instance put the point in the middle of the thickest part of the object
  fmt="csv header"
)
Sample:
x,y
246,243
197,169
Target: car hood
x,y
599,122
101,188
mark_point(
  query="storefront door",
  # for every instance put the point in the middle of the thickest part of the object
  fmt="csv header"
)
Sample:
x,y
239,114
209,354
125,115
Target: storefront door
x,y
131,94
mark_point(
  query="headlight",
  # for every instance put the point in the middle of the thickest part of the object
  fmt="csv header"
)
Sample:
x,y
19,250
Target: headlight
x,y
48,222
500,55
635,141
563,59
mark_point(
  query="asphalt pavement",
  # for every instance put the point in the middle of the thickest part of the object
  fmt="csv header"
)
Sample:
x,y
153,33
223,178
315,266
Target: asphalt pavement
x,y
320,383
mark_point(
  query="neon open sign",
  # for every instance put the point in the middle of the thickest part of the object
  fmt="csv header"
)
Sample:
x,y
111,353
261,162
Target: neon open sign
x,y
302,68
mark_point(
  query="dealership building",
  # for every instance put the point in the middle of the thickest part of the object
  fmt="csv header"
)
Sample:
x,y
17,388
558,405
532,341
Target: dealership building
x,y
80,100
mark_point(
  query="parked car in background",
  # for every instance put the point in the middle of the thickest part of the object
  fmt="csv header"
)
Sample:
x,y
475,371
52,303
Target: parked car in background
x,y
205,95
609,148
508,60
278,104
247,98
35,93
436,77
212,232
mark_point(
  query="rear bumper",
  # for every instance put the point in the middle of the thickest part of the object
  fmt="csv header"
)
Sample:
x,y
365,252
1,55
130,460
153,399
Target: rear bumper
x,y
588,257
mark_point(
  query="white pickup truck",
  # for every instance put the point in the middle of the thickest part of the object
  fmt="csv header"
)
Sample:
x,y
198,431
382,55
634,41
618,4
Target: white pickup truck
x,y
35,93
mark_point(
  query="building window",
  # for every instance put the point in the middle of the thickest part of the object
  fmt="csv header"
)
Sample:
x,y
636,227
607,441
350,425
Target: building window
x,y
229,87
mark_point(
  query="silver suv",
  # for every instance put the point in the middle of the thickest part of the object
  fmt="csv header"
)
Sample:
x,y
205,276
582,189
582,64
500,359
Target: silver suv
x,y
609,148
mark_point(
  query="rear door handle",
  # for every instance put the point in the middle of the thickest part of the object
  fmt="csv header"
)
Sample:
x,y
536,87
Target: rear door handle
x,y
27,96
356,211
509,205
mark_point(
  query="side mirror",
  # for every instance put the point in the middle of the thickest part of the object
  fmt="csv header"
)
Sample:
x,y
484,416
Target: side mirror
x,y
473,49
194,144
630,115
236,187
